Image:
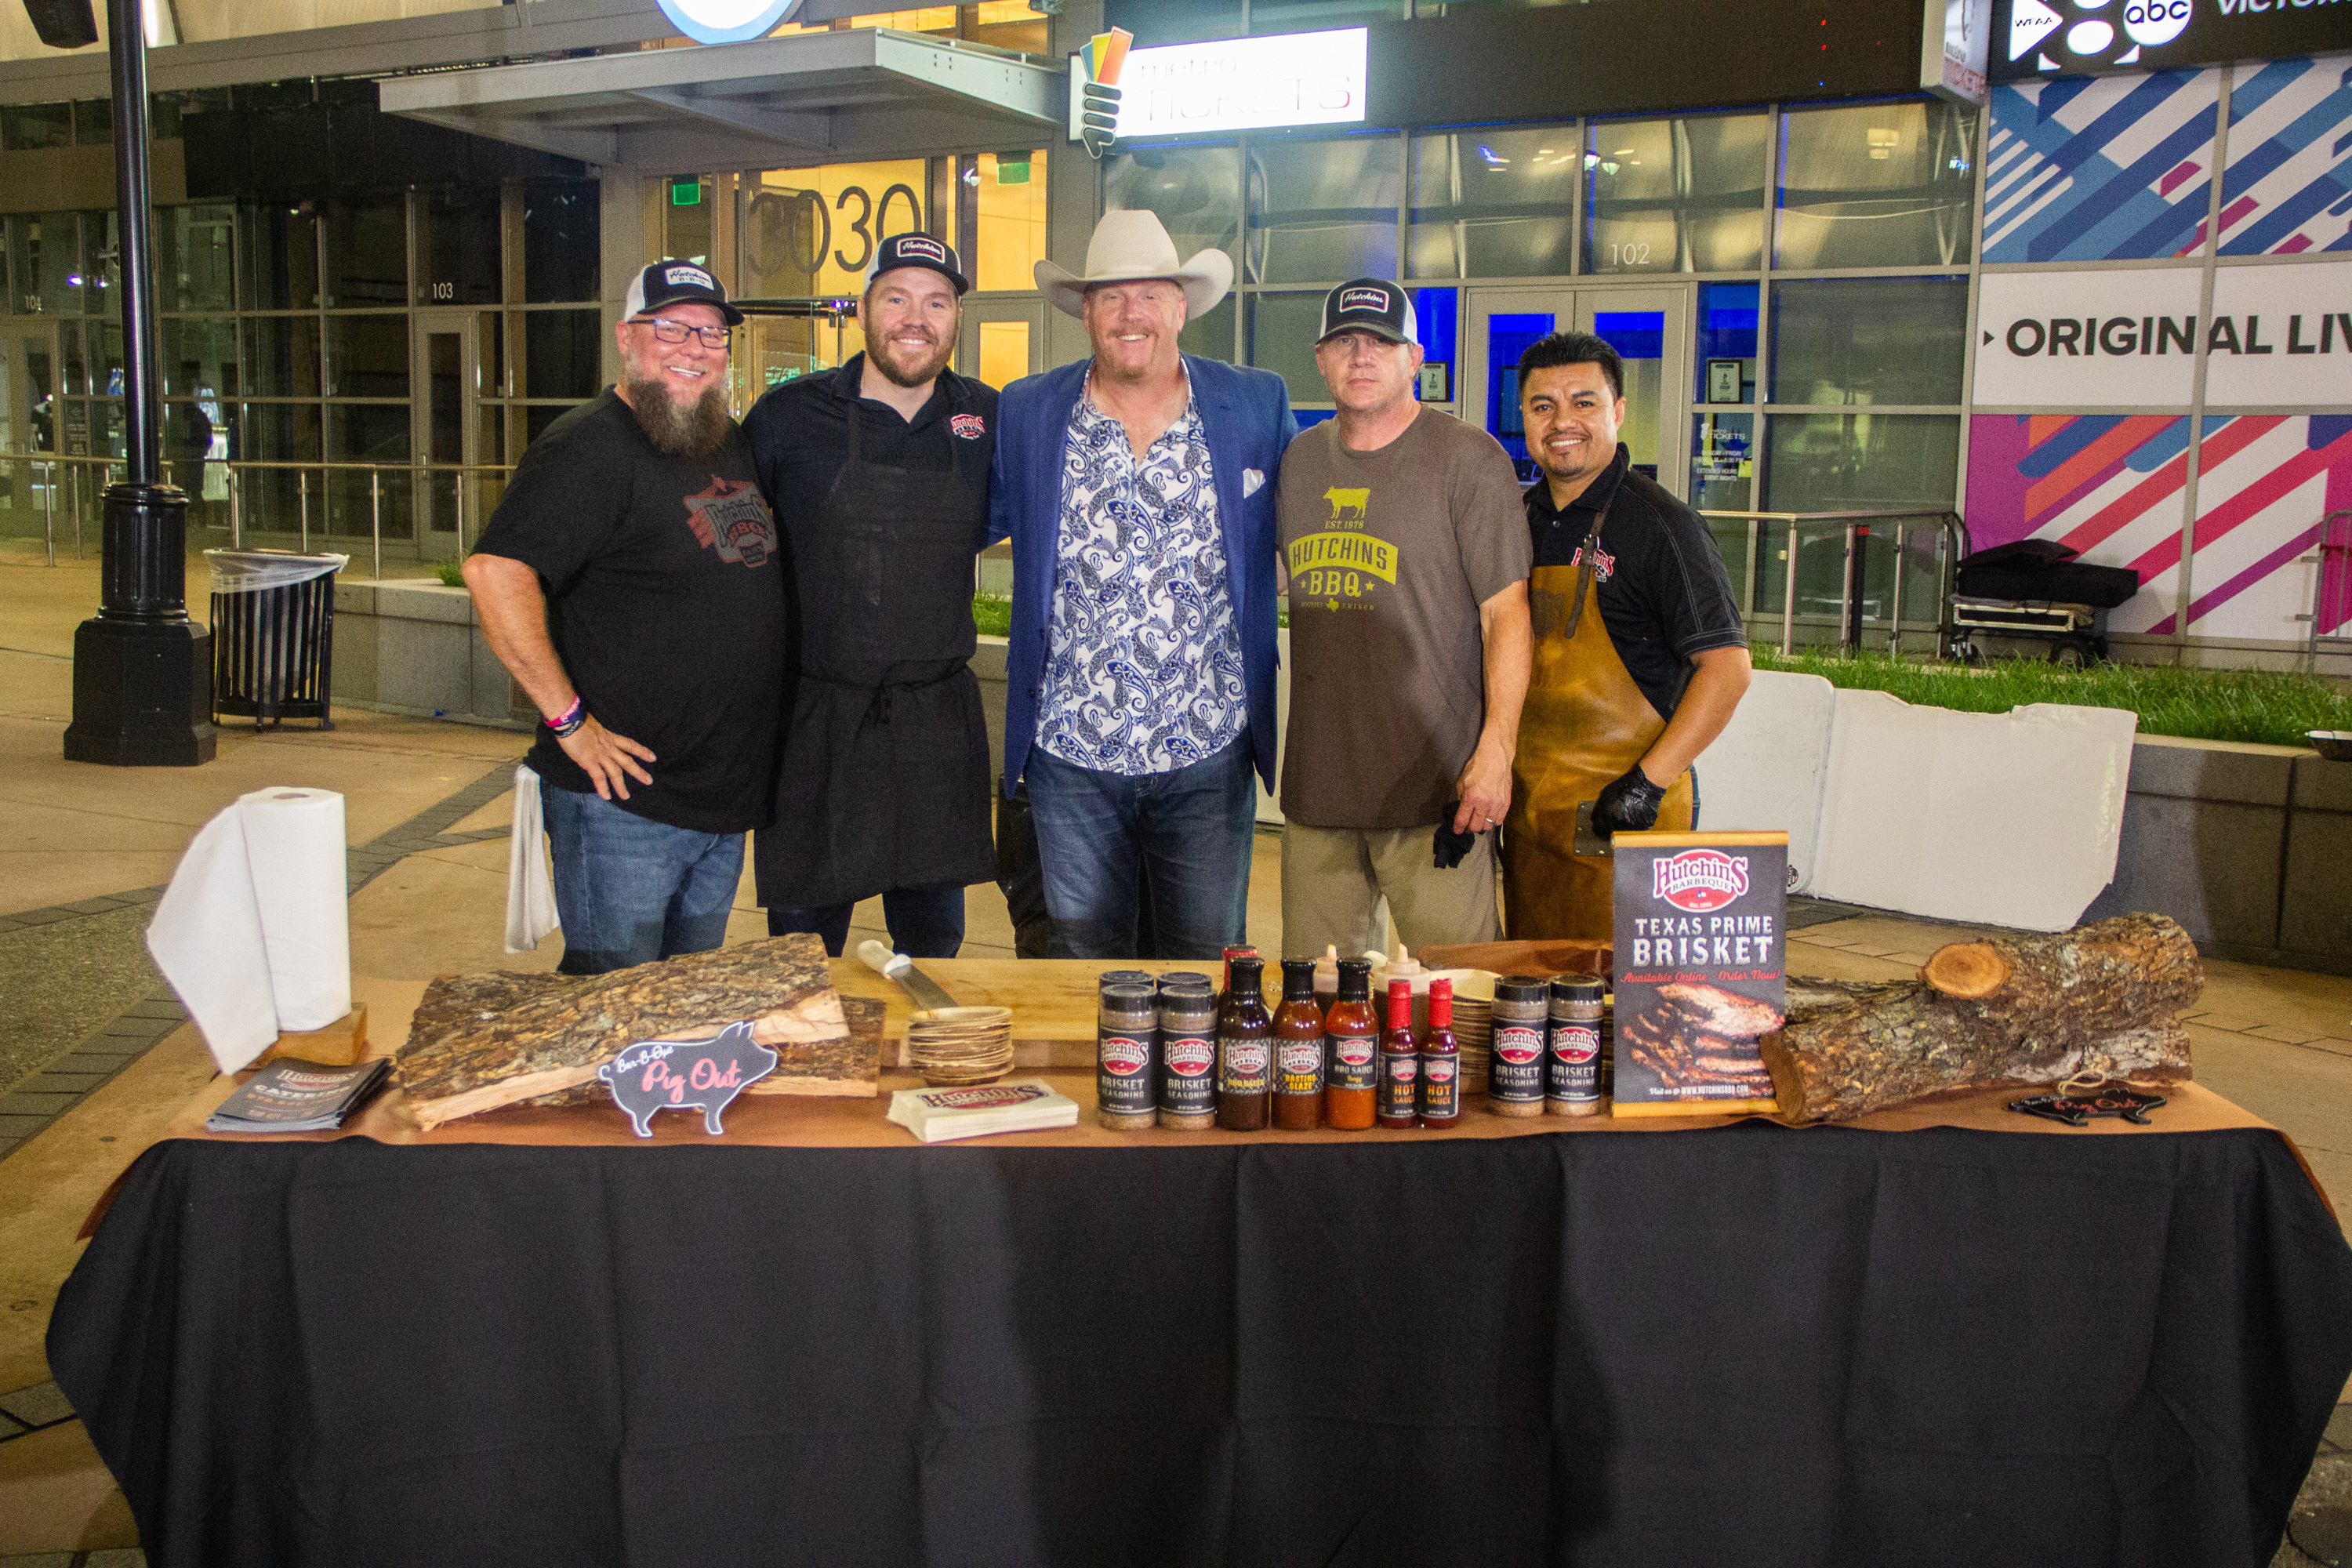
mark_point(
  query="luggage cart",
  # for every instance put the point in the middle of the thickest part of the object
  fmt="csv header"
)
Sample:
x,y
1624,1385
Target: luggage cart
x,y
2034,588
2077,633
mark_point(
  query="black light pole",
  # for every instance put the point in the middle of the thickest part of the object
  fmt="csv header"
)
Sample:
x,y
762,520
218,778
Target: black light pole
x,y
142,671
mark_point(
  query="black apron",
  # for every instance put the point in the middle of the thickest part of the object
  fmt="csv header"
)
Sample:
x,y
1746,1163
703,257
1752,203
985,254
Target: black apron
x,y
883,780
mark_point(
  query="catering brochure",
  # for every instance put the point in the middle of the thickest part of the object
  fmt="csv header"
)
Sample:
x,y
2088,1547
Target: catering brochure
x,y
1701,919
288,1095
937,1115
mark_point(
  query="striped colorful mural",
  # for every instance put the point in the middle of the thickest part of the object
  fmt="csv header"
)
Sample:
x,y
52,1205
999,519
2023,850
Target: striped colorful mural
x,y
2265,482
2288,184
2114,486
2100,168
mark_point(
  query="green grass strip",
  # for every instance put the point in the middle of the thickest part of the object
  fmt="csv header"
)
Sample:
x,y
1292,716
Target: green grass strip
x,y
2260,707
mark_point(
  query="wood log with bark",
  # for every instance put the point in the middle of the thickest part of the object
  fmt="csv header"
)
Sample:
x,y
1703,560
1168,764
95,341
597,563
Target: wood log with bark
x,y
2103,1002
481,1041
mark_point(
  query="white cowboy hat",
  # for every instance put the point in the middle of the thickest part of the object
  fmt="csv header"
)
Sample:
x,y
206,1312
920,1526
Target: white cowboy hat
x,y
1128,246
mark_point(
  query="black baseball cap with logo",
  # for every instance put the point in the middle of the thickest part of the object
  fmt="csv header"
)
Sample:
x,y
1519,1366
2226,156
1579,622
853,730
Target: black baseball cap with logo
x,y
677,283
1371,304
918,251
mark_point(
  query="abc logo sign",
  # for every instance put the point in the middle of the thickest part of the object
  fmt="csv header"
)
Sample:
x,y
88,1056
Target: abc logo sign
x,y
2155,21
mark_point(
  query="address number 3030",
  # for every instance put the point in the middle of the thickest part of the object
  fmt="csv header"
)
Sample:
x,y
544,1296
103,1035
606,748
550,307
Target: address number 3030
x,y
798,229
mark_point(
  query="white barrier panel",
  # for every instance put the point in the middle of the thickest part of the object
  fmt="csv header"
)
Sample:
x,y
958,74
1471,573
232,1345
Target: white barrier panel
x,y
1767,769
2009,819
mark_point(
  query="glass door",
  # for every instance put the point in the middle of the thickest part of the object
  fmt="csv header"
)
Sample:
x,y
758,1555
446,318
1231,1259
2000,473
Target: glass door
x,y
1003,340
28,423
1498,325
1648,327
446,373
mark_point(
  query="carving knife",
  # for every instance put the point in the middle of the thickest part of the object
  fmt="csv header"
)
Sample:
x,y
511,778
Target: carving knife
x,y
920,988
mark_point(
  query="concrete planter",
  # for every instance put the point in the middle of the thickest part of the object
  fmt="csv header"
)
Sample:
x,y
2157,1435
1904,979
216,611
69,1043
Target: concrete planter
x,y
418,648
2245,845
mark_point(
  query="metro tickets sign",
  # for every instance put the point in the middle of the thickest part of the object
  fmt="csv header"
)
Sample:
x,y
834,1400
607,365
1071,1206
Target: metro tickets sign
x,y
2277,337
1955,44
1236,84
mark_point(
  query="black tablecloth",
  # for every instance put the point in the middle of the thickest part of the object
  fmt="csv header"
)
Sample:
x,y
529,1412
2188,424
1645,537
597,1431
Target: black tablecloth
x,y
1747,1345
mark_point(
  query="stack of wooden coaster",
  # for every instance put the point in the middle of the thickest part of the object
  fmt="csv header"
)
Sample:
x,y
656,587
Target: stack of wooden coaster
x,y
1473,1025
956,1046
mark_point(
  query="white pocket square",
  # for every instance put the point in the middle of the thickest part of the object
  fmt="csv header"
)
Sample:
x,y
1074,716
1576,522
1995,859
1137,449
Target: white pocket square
x,y
1253,482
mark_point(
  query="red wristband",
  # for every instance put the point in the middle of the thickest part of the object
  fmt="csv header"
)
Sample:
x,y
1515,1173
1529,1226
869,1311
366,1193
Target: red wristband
x,y
570,719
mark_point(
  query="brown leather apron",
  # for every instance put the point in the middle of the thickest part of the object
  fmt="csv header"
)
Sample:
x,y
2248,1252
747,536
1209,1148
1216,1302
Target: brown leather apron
x,y
1584,723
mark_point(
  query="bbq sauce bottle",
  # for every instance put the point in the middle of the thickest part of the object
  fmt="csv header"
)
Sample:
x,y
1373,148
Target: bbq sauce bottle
x,y
1441,1085
1351,1065
1245,1068
1299,1050
1400,1104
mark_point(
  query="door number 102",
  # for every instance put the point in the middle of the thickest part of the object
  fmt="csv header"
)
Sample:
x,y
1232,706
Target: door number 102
x,y
1637,255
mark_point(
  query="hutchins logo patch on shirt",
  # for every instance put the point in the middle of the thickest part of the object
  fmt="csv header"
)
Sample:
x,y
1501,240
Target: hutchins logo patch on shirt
x,y
730,518
1604,565
971,426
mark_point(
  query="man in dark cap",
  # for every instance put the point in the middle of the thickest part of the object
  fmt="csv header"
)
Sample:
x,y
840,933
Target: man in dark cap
x,y
879,475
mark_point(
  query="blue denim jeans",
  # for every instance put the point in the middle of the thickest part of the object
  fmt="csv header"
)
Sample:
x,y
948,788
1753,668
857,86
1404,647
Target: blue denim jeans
x,y
1186,835
630,890
925,923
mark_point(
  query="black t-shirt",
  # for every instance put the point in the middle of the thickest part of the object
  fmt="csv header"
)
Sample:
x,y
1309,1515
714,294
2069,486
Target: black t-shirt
x,y
799,435
1664,594
664,602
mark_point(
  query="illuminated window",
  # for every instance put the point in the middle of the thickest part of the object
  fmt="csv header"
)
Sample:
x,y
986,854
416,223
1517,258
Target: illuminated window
x,y
1011,195
809,232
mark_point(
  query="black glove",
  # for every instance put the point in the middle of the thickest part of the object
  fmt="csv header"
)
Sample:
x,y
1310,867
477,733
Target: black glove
x,y
1447,846
1630,805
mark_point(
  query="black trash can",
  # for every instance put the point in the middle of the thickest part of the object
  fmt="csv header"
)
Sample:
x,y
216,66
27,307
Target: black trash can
x,y
273,635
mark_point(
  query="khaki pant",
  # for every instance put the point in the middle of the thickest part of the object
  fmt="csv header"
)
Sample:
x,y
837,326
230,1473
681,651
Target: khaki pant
x,y
1333,878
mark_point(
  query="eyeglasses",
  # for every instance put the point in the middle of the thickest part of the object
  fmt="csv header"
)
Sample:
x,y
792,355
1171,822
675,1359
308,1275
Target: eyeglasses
x,y
668,332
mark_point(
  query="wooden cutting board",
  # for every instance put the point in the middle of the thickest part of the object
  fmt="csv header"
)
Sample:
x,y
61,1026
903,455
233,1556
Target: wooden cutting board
x,y
1053,1000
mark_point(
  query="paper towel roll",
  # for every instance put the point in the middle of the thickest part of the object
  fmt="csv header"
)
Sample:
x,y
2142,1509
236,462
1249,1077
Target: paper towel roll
x,y
254,933
206,938
294,844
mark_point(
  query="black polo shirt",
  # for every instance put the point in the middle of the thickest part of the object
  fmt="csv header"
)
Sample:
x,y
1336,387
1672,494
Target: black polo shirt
x,y
1664,593
799,435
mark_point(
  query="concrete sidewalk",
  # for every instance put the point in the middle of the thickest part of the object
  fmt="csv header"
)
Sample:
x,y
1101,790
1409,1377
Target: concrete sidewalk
x,y
92,1063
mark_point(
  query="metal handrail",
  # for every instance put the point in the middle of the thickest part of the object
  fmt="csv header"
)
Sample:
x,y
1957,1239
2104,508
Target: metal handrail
x,y
302,468
2327,547
1955,540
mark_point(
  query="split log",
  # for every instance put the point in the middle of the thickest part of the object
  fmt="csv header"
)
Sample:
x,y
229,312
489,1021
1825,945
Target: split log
x,y
2076,986
478,1042
2102,1002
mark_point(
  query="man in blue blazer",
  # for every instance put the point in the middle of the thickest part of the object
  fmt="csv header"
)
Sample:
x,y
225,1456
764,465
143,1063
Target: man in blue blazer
x,y
1137,488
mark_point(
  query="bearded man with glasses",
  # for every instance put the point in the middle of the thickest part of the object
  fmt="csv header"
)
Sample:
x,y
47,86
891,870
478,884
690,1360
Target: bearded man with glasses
x,y
628,581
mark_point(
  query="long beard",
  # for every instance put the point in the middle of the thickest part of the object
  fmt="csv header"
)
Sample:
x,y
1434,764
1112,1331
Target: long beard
x,y
693,432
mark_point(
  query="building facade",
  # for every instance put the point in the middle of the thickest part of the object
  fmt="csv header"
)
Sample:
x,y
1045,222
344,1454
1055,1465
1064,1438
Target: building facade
x,y
2112,306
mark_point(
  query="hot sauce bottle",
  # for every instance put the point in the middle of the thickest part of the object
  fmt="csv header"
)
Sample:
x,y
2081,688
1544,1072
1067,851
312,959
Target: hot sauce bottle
x,y
1351,1067
1299,1050
1440,1085
1245,1065
1400,1103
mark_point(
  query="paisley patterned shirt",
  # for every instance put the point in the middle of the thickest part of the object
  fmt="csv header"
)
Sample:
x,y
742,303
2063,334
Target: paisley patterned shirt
x,y
1143,661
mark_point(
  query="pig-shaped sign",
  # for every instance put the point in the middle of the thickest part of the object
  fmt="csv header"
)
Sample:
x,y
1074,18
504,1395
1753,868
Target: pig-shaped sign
x,y
658,1075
